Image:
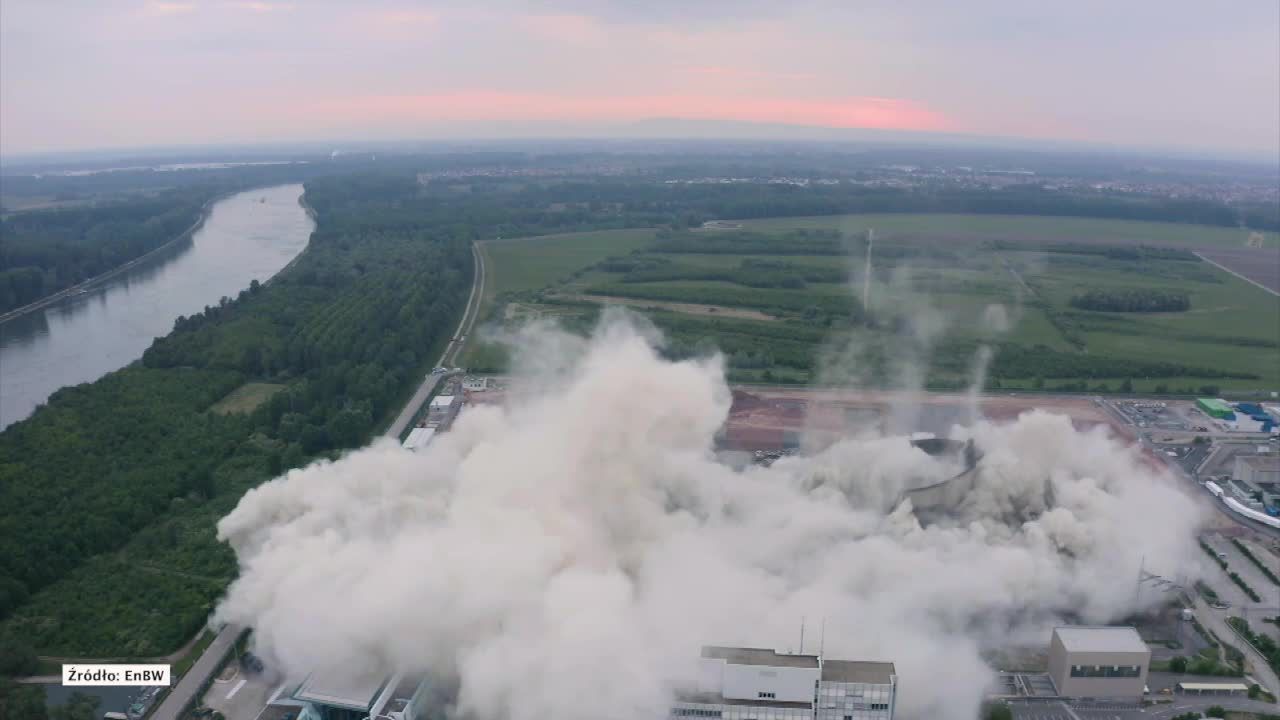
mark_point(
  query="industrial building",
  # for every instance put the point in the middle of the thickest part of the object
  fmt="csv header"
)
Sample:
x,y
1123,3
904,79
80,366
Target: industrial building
x,y
1216,408
1255,483
758,684
1099,663
342,696
419,438
1259,471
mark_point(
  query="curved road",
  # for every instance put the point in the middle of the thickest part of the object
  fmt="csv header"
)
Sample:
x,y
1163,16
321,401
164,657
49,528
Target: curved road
x,y
450,352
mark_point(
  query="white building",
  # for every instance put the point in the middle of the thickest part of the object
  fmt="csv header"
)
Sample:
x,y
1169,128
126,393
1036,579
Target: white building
x,y
475,384
342,696
758,684
441,403
418,438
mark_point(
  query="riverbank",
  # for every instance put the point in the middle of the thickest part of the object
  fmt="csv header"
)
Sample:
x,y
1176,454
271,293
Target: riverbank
x,y
246,237
76,289
311,213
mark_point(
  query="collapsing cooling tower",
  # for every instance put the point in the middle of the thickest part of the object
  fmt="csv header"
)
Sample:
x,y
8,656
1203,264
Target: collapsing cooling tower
x,y
941,498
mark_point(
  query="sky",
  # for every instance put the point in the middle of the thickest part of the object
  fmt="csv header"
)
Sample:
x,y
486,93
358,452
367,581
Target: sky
x,y
1146,74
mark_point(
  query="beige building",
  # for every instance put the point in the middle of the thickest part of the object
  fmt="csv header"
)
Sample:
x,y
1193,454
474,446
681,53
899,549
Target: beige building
x,y
1098,662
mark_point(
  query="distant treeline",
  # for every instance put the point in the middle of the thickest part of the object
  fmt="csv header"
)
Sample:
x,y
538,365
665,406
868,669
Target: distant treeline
x,y
1134,300
1113,252
1019,361
44,251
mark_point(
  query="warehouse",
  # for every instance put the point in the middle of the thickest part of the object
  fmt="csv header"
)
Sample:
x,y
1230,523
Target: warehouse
x,y
1099,662
1215,408
1259,471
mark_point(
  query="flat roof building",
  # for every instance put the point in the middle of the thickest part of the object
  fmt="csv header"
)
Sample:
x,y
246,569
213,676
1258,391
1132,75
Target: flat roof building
x,y
1098,662
760,684
1216,408
419,437
1257,470
342,695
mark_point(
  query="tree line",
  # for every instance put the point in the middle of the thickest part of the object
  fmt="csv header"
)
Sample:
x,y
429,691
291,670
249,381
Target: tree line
x,y
45,251
1133,300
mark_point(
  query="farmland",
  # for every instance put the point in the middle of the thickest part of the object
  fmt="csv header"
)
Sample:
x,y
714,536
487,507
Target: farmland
x,y
783,300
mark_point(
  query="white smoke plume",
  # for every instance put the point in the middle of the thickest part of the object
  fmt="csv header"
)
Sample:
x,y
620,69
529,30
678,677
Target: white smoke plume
x,y
566,556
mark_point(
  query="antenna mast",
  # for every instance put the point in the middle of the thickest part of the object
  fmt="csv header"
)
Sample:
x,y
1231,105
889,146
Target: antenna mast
x,y
801,634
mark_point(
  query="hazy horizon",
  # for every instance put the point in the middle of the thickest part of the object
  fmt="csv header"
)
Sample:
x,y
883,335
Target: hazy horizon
x,y
1144,76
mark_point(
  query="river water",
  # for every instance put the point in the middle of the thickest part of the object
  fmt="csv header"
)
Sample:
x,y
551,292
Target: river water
x,y
248,236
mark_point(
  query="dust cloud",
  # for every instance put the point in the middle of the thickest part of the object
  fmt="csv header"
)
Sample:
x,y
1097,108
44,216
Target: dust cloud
x,y
567,555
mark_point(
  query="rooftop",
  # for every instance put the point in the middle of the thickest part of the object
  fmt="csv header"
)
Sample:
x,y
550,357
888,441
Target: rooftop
x,y
1260,462
852,671
340,689
717,699
1215,403
1100,638
1213,687
759,656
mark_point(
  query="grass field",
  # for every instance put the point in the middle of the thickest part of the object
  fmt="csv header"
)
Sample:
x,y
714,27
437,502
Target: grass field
x,y
940,286
246,398
523,264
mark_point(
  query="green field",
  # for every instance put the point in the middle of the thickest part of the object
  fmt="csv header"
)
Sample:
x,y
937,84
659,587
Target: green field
x,y
524,264
1025,228
246,397
937,282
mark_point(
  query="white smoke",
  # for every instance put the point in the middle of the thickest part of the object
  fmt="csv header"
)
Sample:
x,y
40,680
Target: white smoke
x,y
566,556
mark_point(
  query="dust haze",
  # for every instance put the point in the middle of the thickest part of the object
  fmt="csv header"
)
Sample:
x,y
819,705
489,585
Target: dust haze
x,y
567,555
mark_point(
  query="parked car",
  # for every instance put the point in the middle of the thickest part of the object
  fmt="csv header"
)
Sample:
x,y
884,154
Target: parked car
x,y
251,663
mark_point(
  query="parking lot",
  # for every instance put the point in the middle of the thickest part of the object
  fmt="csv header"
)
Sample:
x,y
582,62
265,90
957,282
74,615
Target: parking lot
x,y
1061,711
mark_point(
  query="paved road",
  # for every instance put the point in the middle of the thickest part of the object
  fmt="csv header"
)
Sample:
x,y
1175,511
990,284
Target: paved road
x,y
450,353
1259,267
204,668
1216,620
1179,704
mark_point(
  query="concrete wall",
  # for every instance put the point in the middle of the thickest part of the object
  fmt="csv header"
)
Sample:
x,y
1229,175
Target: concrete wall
x,y
1060,662
788,684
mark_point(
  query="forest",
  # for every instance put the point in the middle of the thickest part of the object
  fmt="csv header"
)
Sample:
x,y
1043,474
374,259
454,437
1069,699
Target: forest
x,y
137,458
45,251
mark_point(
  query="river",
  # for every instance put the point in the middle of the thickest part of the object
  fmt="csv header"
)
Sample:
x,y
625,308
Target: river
x,y
248,236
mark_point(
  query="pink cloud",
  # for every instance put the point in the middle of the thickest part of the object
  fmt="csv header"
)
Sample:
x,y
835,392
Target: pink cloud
x,y
844,112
